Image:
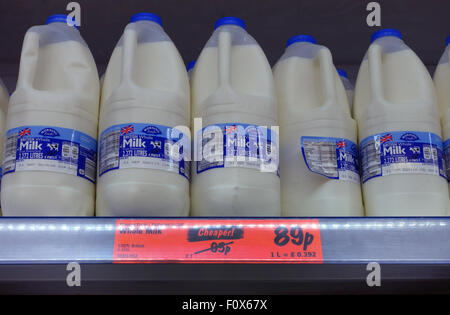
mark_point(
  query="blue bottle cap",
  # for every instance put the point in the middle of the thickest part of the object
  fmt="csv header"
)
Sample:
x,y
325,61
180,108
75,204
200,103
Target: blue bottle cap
x,y
386,32
144,16
300,39
342,73
230,20
191,65
447,41
59,18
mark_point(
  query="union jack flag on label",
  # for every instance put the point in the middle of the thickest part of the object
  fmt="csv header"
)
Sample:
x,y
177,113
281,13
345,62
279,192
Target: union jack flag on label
x,y
341,144
386,138
24,132
127,129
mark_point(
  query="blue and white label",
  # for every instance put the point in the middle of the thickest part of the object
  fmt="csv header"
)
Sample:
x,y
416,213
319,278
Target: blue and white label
x,y
335,158
48,148
237,145
137,145
402,152
447,158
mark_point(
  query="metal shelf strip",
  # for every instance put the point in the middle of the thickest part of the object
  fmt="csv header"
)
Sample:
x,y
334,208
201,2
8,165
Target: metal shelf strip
x,y
344,240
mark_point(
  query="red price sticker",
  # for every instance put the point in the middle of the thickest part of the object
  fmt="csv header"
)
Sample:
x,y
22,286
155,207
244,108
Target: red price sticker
x,y
217,241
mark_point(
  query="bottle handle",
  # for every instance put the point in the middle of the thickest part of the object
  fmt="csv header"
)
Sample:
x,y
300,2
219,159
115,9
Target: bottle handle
x,y
375,66
129,49
327,73
375,74
224,58
30,52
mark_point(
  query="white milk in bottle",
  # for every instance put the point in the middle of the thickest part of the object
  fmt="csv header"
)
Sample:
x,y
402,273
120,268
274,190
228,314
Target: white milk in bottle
x,y
4,99
49,165
143,126
319,168
236,168
399,132
348,86
442,83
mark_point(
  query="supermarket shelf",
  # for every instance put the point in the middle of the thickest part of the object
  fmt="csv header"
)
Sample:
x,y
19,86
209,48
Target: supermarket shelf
x,y
344,240
414,255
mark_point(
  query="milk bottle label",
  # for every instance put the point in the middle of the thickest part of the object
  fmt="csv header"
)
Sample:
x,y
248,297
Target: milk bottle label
x,y
137,145
402,152
447,157
48,148
237,145
335,158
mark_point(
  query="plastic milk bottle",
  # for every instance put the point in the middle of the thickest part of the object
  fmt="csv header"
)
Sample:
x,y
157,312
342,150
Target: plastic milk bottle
x,y
4,99
49,165
442,83
399,132
233,97
319,168
144,135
